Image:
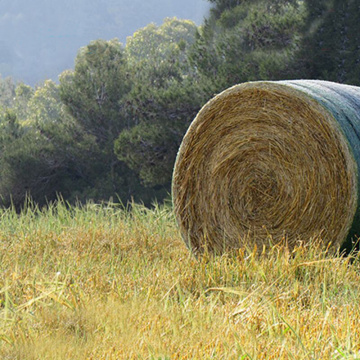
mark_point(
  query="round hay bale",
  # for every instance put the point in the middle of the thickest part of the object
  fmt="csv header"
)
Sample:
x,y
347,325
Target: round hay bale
x,y
265,162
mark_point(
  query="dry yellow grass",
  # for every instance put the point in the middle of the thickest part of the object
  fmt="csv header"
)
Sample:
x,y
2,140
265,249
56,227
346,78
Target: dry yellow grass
x,y
104,283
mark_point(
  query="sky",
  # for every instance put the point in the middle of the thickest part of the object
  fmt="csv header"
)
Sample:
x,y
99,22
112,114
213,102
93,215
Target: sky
x,y
40,38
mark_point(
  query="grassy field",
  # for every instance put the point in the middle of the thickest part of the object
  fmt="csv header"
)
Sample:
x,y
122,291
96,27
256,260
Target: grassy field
x,y
101,282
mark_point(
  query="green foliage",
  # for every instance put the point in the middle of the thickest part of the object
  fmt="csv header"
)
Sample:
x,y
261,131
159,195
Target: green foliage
x,y
163,115
331,45
148,150
45,152
23,95
220,6
158,58
249,40
7,92
159,42
164,98
95,95
91,93
10,127
45,105
114,124
42,160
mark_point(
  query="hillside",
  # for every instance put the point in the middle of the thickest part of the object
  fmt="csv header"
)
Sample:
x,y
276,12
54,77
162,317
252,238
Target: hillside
x,y
39,42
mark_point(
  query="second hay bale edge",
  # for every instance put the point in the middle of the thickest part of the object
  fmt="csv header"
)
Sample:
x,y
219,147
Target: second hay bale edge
x,y
270,160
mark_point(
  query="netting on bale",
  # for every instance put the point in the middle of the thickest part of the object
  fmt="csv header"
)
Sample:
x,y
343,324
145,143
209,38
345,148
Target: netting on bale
x,y
270,161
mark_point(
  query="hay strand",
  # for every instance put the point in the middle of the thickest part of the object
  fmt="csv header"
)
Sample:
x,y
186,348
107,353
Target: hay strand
x,y
270,161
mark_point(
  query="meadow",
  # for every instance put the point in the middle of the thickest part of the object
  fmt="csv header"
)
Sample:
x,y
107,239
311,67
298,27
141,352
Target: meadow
x,y
108,282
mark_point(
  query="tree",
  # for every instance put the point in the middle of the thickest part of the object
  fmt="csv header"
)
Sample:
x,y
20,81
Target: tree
x,y
248,40
92,95
164,98
92,92
95,95
179,70
23,94
45,105
219,6
159,42
331,41
7,92
10,127
45,155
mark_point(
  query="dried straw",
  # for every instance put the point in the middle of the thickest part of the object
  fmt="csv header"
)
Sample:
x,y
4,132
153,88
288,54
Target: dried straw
x,y
268,161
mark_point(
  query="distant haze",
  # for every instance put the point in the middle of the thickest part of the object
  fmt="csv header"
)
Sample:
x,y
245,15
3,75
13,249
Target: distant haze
x,y
40,38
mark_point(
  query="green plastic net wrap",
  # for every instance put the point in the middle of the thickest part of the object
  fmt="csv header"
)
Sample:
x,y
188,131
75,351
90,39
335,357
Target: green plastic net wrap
x,y
268,162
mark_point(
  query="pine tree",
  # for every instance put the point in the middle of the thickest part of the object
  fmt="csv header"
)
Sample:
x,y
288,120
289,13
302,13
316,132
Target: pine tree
x,y
331,43
249,40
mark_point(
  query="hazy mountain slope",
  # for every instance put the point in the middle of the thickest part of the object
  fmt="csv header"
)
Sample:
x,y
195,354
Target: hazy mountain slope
x,y
39,39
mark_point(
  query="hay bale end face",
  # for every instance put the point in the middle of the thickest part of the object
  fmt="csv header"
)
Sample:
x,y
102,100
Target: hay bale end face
x,y
270,160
